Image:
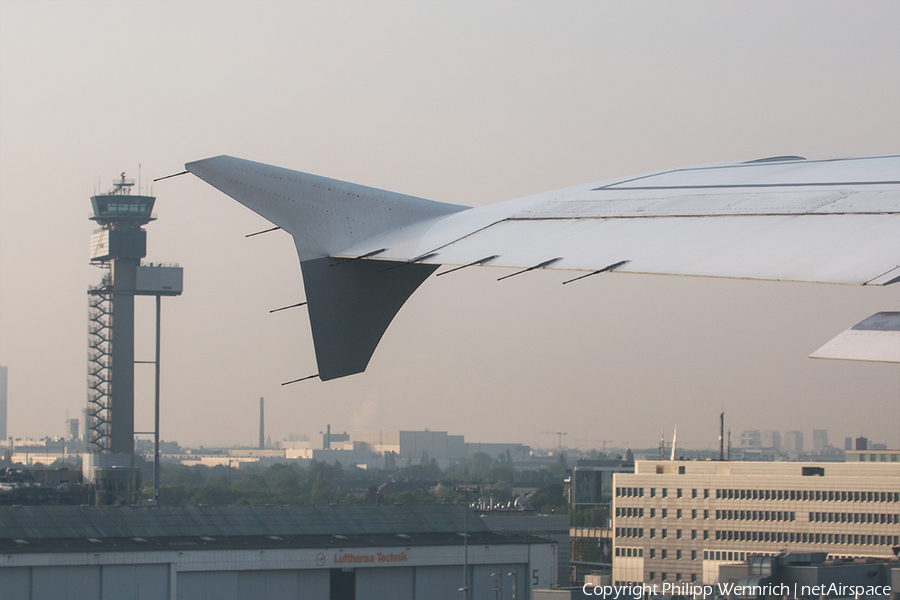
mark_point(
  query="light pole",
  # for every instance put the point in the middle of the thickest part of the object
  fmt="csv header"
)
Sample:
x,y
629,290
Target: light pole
x,y
465,489
515,586
156,410
498,583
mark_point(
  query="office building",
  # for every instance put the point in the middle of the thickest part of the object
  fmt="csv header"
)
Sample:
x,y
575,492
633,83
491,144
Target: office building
x,y
820,440
892,456
793,442
751,439
771,439
678,521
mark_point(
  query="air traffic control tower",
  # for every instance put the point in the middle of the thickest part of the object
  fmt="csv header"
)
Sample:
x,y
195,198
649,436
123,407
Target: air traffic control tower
x,y
118,247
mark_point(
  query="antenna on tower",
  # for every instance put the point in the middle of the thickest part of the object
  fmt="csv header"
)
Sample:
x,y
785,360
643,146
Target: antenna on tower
x,y
674,434
722,436
729,444
662,444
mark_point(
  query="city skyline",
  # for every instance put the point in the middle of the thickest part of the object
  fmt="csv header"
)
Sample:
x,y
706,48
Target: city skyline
x,y
542,440
470,104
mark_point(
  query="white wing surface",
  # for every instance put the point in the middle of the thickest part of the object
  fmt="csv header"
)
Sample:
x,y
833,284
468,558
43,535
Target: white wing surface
x,y
835,221
785,218
876,339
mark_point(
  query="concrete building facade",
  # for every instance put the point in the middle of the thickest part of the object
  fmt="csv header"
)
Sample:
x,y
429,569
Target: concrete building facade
x,y
678,521
892,456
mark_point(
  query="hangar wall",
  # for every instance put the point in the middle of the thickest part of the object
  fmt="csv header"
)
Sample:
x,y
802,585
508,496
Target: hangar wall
x,y
61,576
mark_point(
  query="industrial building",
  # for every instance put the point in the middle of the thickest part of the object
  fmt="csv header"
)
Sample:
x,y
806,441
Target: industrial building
x,y
679,521
811,575
267,552
375,449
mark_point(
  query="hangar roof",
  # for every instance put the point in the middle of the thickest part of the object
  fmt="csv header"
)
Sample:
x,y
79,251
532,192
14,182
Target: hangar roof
x,y
29,529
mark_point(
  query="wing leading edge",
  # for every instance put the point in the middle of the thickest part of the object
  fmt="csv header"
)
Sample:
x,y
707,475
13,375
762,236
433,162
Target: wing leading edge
x,y
828,221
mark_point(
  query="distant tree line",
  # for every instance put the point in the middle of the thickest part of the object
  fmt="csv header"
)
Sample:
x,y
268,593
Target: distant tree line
x,y
331,483
327,483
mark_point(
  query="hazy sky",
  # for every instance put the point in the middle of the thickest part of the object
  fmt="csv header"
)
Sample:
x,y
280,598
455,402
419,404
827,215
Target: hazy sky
x,y
470,103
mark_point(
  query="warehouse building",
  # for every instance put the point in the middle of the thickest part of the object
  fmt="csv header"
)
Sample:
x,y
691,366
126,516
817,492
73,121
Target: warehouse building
x,y
265,553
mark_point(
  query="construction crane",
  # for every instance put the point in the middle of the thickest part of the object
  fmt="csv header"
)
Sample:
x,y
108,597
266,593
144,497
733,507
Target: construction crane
x,y
560,434
604,442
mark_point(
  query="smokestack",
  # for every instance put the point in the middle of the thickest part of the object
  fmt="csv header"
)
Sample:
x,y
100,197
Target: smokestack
x,y
328,438
722,436
262,425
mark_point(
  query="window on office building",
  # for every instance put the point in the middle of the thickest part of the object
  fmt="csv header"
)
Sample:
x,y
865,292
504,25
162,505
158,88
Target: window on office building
x,y
678,493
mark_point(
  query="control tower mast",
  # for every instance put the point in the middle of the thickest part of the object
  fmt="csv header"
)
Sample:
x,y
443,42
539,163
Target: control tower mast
x,y
119,245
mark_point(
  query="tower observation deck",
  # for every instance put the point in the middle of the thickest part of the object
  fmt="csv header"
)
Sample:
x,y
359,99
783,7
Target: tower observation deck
x,y
118,247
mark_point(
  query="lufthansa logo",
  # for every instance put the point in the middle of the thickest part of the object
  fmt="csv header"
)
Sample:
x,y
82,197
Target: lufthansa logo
x,y
320,559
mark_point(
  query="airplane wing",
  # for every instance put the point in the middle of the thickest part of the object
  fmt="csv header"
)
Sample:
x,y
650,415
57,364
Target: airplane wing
x,y
875,339
363,251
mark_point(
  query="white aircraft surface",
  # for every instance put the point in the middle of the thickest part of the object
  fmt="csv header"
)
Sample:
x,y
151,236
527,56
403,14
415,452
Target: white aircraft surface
x,y
364,251
875,339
